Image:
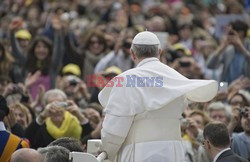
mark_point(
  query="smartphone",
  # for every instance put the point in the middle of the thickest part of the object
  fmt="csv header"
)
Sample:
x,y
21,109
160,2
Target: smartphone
x,y
223,87
184,123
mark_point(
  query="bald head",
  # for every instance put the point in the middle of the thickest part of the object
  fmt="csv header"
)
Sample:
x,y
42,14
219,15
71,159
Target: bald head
x,y
26,155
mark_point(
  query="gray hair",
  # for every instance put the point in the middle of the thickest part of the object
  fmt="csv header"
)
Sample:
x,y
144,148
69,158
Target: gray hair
x,y
145,50
55,153
53,92
220,106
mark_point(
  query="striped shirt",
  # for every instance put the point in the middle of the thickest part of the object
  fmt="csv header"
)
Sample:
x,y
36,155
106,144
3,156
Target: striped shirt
x,y
9,143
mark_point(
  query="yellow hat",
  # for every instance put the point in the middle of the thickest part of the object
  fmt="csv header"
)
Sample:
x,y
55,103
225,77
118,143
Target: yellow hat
x,y
179,46
23,34
72,69
248,33
113,69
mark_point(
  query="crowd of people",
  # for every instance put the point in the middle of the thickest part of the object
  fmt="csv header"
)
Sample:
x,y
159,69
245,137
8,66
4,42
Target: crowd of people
x,y
57,55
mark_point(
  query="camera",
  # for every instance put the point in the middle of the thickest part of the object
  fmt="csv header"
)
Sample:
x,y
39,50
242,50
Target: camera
x,y
73,82
185,64
62,104
16,90
230,32
243,112
126,44
184,123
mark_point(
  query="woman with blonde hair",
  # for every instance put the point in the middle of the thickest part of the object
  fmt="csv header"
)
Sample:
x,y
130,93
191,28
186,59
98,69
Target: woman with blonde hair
x,y
22,115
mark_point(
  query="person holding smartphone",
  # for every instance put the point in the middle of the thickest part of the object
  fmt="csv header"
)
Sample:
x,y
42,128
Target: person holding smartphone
x,y
59,118
233,53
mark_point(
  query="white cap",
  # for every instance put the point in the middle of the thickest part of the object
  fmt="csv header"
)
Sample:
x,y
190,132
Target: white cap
x,y
146,38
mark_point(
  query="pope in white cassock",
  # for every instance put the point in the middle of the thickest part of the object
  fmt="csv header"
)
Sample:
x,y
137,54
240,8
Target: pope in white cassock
x,y
144,106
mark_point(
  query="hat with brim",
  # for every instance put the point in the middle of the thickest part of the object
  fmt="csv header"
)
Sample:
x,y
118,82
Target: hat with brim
x,y
112,70
71,69
179,46
23,34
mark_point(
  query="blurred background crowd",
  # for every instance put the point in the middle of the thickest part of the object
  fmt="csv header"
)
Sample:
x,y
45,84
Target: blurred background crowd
x,y
49,48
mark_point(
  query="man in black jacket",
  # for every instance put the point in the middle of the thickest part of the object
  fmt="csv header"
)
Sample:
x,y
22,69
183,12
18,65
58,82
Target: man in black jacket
x,y
217,143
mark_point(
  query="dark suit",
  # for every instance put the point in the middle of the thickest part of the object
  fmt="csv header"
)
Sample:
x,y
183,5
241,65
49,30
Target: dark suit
x,y
229,156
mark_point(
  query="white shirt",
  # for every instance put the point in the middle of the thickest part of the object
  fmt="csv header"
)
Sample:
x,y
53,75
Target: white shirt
x,y
2,127
216,157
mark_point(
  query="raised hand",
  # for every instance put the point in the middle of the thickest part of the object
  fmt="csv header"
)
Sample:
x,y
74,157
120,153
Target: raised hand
x,y
56,23
235,119
238,84
32,78
39,97
75,110
16,23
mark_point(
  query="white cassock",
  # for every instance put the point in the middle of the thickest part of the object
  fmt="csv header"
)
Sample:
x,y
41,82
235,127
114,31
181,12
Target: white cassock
x,y
142,124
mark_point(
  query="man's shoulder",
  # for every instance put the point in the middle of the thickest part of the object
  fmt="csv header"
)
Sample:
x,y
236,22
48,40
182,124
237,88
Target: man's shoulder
x,y
132,71
108,57
232,158
155,66
236,137
229,156
9,138
5,135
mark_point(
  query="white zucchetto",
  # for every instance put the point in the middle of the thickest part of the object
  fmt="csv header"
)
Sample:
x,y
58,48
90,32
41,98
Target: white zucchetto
x,y
146,38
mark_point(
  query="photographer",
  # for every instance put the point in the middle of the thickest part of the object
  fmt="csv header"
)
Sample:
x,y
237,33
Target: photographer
x,y
60,118
75,89
233,53
188,67
17,94
192,137
241,141
120,56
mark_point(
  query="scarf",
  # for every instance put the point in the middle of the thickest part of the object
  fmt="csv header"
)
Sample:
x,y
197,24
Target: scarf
x,y
90,62
69,128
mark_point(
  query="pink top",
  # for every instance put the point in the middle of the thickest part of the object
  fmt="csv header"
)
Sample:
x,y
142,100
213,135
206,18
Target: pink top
x,y
42,80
